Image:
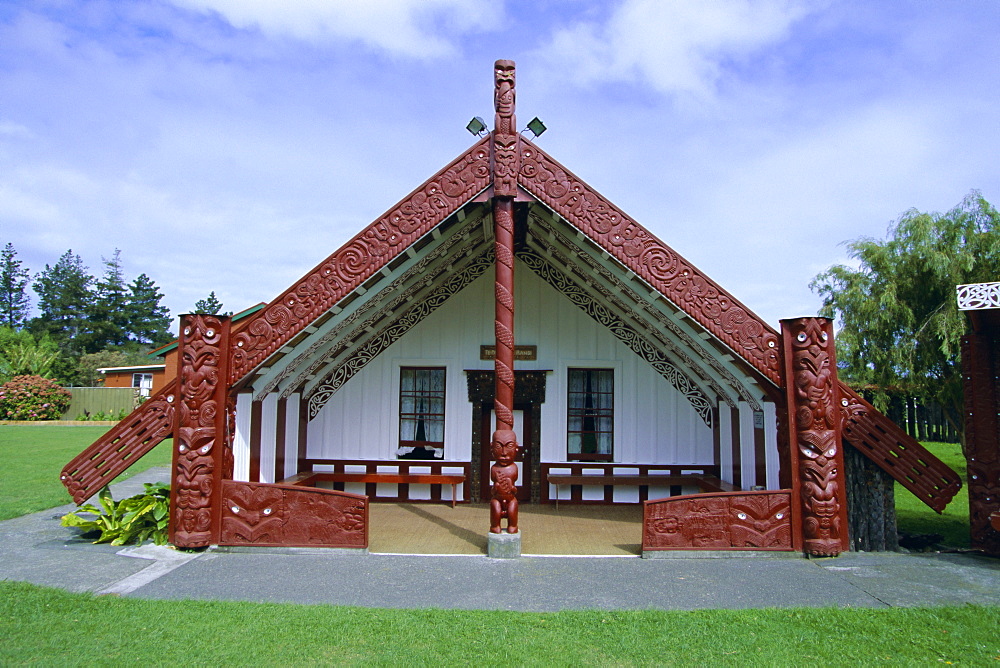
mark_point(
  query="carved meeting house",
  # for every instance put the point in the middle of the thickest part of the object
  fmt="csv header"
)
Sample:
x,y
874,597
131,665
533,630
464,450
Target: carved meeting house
x,y
506,294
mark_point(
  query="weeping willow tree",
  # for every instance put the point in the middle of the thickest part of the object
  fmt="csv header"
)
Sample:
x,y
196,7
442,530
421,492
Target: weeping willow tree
x,y
899,324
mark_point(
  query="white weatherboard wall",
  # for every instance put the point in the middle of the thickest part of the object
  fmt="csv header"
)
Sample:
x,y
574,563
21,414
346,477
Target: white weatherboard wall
x,y
241,440
653,422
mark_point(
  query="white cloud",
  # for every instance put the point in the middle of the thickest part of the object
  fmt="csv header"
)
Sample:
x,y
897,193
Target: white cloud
x,y
676,47
15,130
404,27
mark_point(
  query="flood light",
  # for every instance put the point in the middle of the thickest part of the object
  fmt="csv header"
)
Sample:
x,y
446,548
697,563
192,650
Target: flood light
x,y
536,126
476,126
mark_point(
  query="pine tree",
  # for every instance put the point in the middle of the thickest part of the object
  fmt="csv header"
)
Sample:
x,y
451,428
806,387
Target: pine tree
x,y
14,304
210,305
109,312
148,320
64,302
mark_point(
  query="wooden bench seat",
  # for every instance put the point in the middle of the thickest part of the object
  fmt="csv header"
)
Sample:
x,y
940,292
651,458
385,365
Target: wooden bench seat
x,y
705,479
310,478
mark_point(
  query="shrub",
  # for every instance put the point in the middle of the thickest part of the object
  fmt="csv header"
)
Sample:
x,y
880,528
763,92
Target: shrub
x,y
132,520
32,398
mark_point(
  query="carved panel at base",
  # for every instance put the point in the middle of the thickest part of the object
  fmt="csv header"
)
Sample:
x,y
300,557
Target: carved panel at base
x,y
268,515
726,521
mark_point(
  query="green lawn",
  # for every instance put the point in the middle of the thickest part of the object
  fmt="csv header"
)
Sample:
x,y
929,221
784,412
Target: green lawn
x,y
52,627
33,456
912,516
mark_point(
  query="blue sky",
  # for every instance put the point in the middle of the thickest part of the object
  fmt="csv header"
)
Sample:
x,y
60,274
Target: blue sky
x,y
230,145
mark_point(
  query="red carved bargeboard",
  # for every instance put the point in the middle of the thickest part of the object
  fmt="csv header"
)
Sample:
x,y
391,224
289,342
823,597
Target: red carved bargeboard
x,y
263,514
880,439
121,446
720,521
651,259
360,258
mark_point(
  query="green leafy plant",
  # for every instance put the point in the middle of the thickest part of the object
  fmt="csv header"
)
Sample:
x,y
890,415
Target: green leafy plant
x,y
133,520
32,398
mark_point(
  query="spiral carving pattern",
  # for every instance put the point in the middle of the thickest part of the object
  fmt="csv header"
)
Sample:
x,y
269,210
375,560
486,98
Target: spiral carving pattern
x,y
367,352
503,364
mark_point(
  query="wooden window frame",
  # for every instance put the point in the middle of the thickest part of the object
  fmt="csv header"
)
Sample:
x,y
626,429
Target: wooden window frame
x,y
608,413
438,446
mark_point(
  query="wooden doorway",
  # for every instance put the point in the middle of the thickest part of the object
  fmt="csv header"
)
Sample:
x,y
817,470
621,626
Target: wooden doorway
x,y
529,394
524,428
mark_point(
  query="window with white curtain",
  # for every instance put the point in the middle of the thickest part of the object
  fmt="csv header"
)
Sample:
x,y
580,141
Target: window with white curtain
x,y
421,413
143,383
591,414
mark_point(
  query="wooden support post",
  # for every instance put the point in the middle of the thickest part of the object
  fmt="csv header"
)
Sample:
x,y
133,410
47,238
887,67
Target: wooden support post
x,y
199,458
810,381
736,446
504,447
280,437
981,379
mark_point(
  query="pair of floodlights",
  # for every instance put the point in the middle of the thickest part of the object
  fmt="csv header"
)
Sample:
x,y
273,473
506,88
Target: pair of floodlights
x,y
477,126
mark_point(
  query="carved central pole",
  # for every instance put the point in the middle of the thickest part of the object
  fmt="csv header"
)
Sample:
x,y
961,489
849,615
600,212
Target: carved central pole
x,y
503,446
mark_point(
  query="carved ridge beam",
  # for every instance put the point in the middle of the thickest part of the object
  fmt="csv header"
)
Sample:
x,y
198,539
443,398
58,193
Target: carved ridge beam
x,y
698,372
683,335
347,342
360,258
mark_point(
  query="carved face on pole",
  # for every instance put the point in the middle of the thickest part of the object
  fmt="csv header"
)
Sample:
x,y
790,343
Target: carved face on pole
x,y
504,86
504,447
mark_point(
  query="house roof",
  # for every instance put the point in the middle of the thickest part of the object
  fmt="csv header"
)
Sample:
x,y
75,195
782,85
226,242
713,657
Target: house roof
x,y
314,336
123,369
365,295
395,272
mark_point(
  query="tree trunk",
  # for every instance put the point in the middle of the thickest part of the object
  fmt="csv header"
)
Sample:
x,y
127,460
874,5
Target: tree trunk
x,y
871,504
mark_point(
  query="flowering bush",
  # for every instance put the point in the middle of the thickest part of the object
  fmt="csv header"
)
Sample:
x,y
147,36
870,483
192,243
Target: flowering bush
x,y
32,398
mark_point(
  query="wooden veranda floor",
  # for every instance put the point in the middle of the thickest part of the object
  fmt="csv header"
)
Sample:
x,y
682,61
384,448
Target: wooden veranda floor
x,y
432,528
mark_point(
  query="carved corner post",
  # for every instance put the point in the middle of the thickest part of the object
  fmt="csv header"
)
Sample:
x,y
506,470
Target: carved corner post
x,y
981,392
200,439
814,434
504,446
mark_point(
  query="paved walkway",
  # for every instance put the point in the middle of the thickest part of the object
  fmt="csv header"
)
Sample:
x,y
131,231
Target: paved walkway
x,y
35,548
